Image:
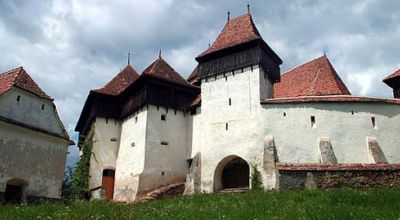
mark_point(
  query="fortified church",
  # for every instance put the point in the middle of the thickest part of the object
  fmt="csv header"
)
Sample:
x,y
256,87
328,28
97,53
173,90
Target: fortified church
x,y
234,116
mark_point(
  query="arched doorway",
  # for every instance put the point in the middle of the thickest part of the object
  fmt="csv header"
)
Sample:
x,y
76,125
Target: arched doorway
x,y
231,172
108,183
15,191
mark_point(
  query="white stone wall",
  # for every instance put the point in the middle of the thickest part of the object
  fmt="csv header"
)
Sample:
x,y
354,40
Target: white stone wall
x,y
106,139
28,110
35,157
234,129
131,156
347,125
164,164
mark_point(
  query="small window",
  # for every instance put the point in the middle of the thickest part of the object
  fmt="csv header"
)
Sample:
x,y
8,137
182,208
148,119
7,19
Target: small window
x,y
133,144
162,173
373,121
226,126
163,117
352,112
284,114
106,120
42,107
136,119
226,78
230,101
313,125
18,98
165,143
113,139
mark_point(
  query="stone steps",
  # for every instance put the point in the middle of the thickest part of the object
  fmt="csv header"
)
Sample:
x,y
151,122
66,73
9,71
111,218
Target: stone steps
x,y
164,192
234,190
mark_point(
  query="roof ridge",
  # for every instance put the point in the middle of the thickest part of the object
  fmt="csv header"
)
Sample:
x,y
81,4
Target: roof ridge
x,y
12,70
312,87
296,67
337,77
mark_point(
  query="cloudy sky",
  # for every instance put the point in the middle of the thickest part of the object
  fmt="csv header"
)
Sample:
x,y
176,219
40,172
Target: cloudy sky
x,y
72,46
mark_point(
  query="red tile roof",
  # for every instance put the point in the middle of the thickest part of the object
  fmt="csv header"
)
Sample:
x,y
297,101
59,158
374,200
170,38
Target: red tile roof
x,y
335,167
194,76
393,75
314,78
334,98
120,82
162,70
18,77
237,31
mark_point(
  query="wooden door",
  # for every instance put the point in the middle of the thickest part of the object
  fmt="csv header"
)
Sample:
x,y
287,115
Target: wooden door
x,y
108,183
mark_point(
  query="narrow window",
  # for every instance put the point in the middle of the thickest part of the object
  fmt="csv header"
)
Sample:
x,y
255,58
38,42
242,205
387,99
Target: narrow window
x,y
136,119
226,78
133,144
226,126
313,125
163,117
284,114
352,112
230,101
113,139
106,120
164,143
373,122
42,107
18,98
162,173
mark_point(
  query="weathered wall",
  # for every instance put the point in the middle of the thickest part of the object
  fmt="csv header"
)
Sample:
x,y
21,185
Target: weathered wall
x,y
338,179
106,139
347,125
131,156
164,164
28,110
34,157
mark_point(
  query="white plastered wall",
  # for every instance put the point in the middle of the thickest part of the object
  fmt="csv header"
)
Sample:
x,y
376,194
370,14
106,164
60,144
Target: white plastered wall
x,y
131,156
106,139
32,156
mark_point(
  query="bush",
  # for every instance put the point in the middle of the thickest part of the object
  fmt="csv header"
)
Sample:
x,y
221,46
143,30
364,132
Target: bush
x,y
256,182
80,176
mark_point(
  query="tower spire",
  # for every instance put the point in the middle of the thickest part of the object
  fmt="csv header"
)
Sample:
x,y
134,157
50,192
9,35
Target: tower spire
x,y
129,58
159,54
229,15
248,8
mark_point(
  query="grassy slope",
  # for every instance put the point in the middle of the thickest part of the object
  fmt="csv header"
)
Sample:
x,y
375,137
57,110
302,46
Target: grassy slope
x,y
342,204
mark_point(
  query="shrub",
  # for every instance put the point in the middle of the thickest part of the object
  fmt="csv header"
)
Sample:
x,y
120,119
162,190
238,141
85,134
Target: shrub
x,y
256,182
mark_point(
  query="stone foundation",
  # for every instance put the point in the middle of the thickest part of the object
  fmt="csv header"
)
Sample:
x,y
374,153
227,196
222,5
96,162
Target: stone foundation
x,y
311,176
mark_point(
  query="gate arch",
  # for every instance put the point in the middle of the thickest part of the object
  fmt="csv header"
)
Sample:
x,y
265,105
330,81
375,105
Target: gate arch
x,y
231,172
15,191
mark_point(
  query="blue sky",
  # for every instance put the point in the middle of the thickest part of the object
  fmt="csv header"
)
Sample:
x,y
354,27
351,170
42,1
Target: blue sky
x,y
70,47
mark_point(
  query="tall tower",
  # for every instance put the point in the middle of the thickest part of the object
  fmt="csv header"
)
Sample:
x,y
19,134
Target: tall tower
x,y
237,61
393,81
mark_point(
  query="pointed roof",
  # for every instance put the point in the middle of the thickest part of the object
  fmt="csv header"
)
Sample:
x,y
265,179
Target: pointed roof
x,y
160,69
194,76
120,82
18,77
314,78
391,79
237,31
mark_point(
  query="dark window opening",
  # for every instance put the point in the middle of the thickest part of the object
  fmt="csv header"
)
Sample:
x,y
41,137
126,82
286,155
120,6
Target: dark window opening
x,y
136,118
373,122
42,106
113,139
106,120
109,173
18,98
313,125
226,126
165,143
163,117
230,101
189,162
352,112
193,111
284,114
236,174
162,173
133,144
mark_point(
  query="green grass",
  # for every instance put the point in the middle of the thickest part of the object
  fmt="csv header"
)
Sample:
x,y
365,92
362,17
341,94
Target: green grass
x,y
341,204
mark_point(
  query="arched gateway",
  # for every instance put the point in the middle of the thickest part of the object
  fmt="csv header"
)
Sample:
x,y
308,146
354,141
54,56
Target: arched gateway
x,y
231,172
15,191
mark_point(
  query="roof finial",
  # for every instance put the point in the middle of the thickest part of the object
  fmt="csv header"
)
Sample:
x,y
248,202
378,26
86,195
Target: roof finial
x,y
229,15
159,54
248,8
129,58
